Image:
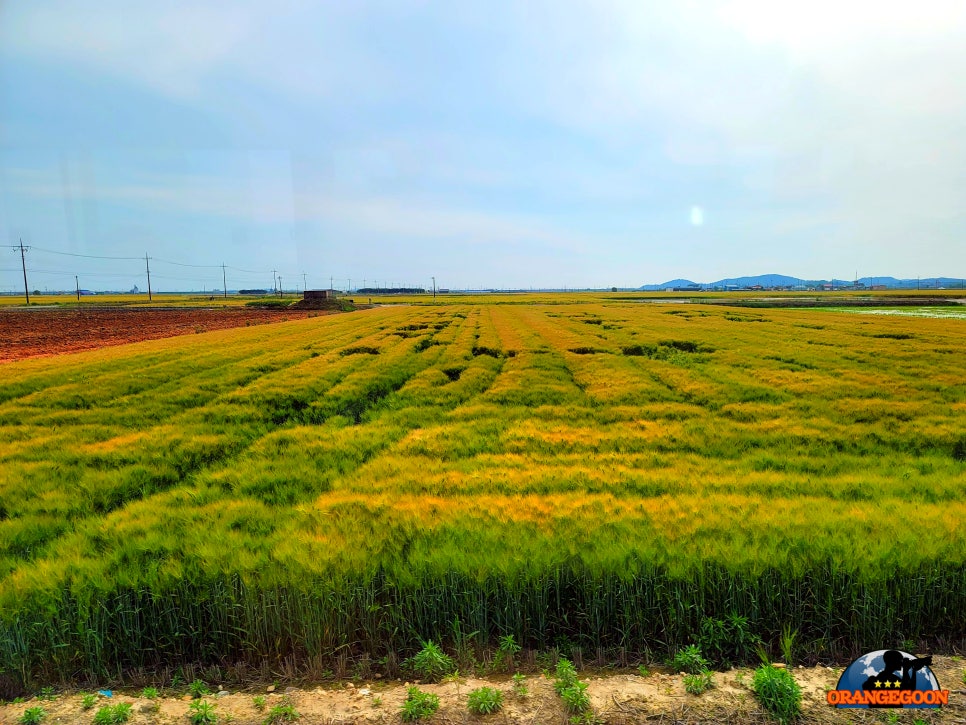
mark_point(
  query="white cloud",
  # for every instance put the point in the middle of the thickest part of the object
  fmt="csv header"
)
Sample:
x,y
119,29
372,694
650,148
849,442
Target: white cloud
x,y
170,48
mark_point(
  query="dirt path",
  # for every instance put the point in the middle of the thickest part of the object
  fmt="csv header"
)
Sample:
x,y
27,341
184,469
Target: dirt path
x,y
617,698
39,332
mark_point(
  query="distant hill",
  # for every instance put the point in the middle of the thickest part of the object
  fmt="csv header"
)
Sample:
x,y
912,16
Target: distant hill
x,y
671,283
765,280
782,280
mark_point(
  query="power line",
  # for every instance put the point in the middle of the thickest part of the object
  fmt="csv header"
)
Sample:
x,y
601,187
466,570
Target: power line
x,y
87,256
255,274
182,264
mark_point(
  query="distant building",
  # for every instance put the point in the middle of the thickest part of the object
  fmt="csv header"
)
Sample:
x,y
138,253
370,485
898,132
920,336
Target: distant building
x,y
134,291
318,294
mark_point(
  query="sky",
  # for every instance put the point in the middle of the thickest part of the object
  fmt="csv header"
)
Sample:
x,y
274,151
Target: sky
x,y
486,144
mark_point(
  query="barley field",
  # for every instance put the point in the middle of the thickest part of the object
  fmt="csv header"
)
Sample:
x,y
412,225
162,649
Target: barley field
x,y
581,475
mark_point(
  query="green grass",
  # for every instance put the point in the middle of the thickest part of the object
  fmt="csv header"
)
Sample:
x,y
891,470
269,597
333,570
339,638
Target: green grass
x,y
256,494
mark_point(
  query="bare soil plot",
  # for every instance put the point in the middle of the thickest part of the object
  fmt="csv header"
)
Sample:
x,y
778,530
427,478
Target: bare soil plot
x,y
33,333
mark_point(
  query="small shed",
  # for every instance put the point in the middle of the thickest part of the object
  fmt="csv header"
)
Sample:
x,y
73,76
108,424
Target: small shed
x,y
318,294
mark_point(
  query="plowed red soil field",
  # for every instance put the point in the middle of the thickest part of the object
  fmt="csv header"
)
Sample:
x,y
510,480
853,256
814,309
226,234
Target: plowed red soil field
x,y
32,332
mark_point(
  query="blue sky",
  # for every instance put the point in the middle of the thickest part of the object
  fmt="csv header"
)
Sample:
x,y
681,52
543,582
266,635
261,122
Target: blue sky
x,y
486,144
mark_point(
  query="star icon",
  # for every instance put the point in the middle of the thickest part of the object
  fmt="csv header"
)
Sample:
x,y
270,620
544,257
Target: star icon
x,y
896,685
888,683
878,684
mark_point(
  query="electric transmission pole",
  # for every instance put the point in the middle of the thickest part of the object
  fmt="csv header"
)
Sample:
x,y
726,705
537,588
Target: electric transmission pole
x,y
23,262
305,285
281,293
224,282
77,282
148,268
434,288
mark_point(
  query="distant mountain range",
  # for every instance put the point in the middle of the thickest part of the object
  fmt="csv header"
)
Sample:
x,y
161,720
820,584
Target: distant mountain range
x,y
782,280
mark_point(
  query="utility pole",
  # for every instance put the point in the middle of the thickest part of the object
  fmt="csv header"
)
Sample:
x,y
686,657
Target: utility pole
x,y
77,282
23,262
148,268
434,288
348,285
330,283
280,292
224,283
305,285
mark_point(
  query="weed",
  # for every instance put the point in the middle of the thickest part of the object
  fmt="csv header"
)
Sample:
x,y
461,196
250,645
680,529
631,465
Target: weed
x,y
505,652
520,688
778,692
484,700
727,640
202,712
566,675
430,663
571,690
150,693
281,713
643,671
198,688
258,702
696,684
419,705
32,715
575,698
377,701
689,659
88,701
585,718
46,693
113,714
